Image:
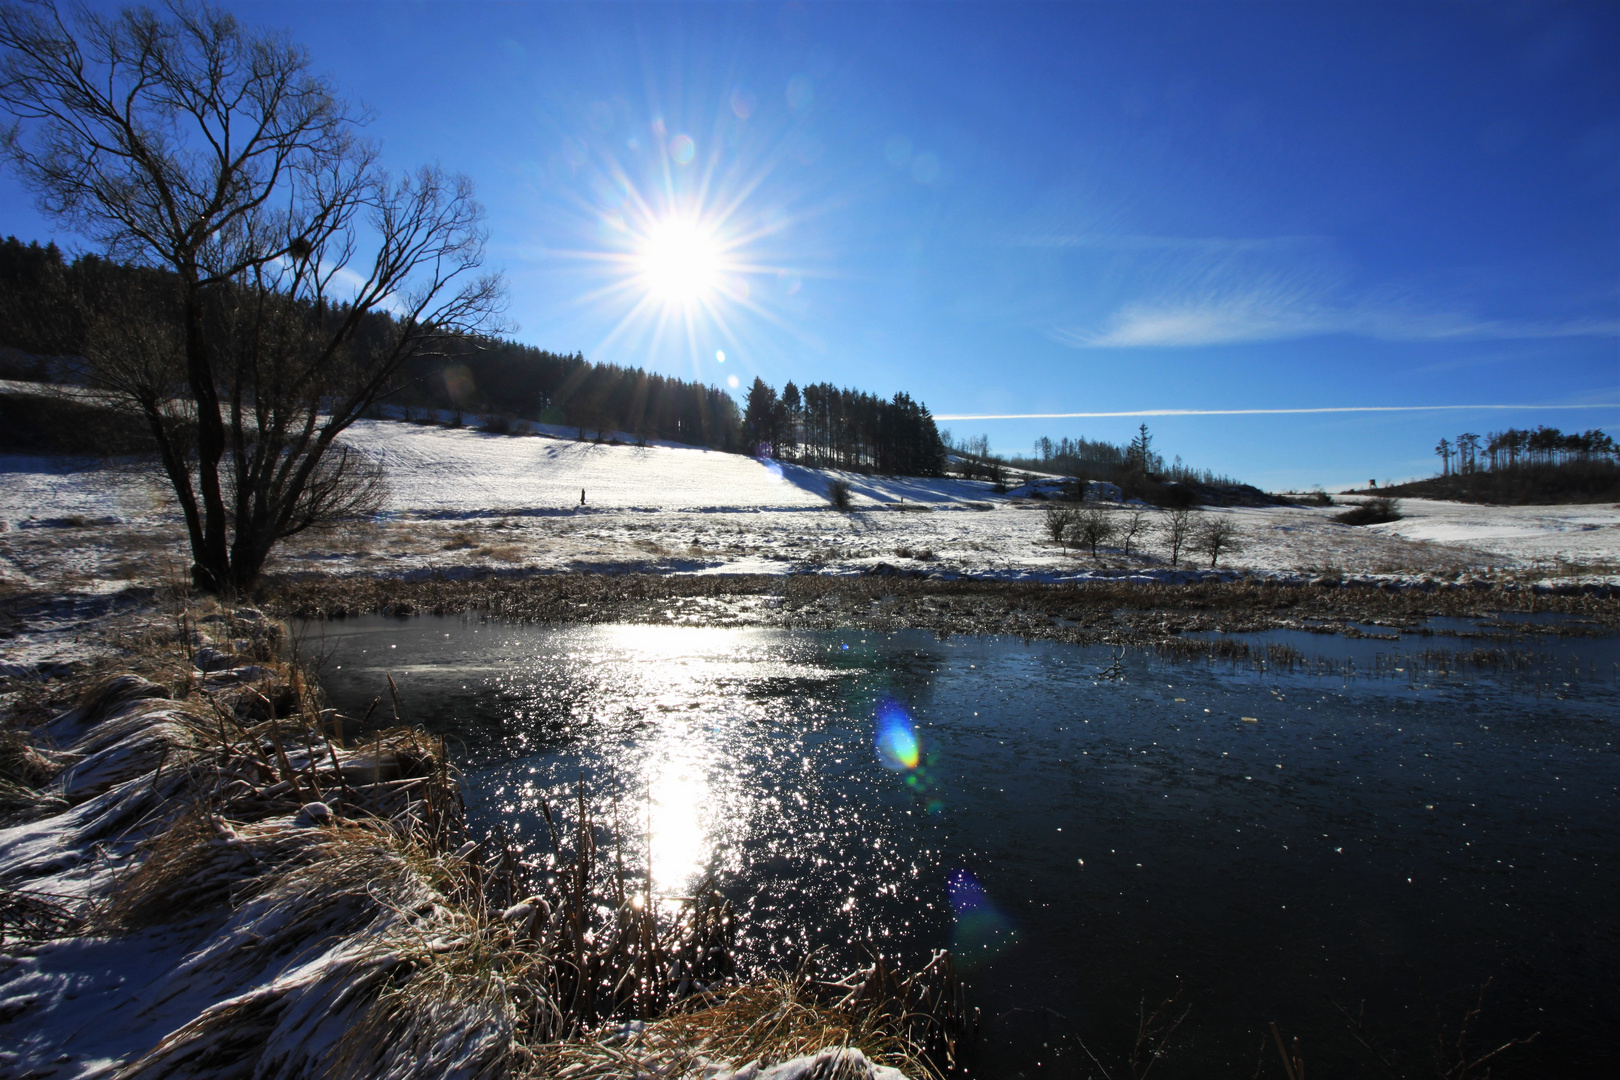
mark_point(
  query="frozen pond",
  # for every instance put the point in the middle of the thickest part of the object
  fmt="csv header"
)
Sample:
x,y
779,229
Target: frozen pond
x,y
1274,845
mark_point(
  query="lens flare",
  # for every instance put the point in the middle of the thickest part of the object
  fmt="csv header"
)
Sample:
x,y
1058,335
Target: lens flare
x,y
897,744
981,932
680,261
688,217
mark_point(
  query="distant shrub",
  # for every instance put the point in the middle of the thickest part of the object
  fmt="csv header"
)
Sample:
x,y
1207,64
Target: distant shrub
x,y
839,494
1092,526
1317,497
1375,511
1176,532
1215,536
499,424
1059,520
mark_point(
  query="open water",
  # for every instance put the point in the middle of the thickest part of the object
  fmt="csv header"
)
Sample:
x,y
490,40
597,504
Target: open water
x,y
1374,834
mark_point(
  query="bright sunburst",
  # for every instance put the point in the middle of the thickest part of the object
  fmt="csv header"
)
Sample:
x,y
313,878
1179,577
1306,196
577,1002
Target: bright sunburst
x,y
685,244
680,262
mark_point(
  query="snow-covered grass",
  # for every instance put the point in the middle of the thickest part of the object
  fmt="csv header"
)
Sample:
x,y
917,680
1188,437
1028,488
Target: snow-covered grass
x,y
200,878
463,499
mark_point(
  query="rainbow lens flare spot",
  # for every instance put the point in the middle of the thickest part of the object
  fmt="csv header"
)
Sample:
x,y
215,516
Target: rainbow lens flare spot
x,y
981,932
897,744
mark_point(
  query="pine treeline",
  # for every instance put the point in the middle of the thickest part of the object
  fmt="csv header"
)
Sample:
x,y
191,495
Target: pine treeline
x,y
1538,466
1516,448
1090,459
45,300
827,427
492,375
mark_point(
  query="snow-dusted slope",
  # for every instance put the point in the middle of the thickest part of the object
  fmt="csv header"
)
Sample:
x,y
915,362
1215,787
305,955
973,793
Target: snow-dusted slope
x,y
439,469
462,499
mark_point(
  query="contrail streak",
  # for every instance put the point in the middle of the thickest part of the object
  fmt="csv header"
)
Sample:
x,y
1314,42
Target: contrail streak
x,y
1260,412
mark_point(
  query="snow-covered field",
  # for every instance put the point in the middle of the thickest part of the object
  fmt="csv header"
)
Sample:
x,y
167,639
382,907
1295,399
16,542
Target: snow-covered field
x,y
461,499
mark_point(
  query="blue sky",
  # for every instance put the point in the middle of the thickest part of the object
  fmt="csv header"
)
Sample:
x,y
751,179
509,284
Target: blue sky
x,y
1050,208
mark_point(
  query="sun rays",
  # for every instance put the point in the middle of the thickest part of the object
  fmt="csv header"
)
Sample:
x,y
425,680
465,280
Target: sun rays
x,y
684,239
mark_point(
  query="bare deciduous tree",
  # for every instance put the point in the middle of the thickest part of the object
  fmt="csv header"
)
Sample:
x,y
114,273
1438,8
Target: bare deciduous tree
x,y
1059,521
1216,535
210,153
1176,530
1093,526
1132,523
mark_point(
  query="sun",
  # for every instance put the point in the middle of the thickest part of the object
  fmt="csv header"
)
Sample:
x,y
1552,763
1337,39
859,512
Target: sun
x,y
686,256
680,261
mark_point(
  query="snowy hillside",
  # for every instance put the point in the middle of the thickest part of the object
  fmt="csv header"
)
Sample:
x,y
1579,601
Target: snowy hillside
x,y
437,469
462,501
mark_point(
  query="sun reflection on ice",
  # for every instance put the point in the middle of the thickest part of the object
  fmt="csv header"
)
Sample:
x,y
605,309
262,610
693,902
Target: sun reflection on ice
x,y
678,770
683,845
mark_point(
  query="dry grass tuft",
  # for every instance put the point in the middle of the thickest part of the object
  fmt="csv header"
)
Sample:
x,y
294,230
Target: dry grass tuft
x,y
457,996
27,916
772,1020
21,763
912,1023
502,552
202,861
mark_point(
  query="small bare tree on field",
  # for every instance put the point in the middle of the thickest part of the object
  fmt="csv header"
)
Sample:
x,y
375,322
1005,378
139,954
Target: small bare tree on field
x,y
211,157
1132,523
1176,530
1059,521
1216,536
1093,526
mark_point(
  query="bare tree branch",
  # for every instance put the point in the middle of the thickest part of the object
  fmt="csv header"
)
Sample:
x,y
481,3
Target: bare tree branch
x,y
300,277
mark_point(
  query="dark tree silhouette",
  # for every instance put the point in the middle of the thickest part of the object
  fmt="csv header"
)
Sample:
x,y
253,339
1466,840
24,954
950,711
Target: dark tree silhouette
x,y
210,151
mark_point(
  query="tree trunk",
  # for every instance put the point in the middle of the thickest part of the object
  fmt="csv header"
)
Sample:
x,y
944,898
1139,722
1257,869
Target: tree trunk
x,y
211,566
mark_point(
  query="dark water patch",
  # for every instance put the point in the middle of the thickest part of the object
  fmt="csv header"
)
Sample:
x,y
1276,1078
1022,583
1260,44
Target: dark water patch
x,y
1083,829
1445,649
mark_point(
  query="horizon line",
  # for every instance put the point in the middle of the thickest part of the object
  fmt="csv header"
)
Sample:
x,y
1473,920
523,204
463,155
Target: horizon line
x,y
1261,412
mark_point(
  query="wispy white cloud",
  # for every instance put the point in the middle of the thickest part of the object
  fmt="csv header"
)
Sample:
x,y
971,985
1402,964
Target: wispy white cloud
x,y
1279,311
1146,290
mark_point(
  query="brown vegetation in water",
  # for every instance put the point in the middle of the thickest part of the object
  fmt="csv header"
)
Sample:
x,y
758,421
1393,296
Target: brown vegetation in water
x,y
1115,611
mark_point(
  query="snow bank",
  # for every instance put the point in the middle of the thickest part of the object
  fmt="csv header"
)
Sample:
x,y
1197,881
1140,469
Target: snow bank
x,y
172,907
